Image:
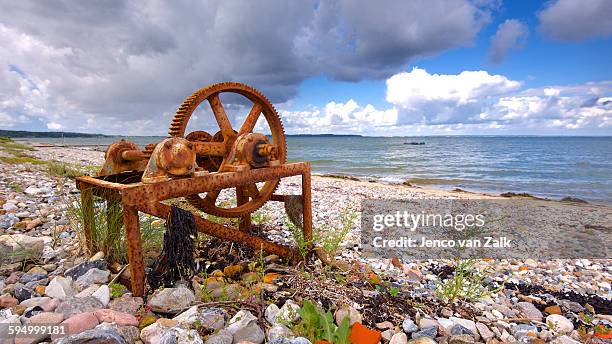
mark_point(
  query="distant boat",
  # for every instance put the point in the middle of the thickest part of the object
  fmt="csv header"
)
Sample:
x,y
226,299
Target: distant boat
x,y
415,143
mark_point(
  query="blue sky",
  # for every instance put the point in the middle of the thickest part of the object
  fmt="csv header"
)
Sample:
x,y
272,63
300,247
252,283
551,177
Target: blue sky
x,y
402,68
541,62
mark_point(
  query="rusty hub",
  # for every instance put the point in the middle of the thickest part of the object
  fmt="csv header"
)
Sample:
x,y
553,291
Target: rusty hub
x,y
260,105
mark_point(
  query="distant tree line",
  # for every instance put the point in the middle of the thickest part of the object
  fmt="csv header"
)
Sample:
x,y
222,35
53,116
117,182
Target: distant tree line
x,y
54,134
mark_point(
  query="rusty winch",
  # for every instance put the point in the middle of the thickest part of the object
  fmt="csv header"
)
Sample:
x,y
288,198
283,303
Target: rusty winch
x,y
199,166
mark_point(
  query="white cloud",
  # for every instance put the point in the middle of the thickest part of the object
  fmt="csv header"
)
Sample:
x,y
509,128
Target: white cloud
x,y
349,117
571,20
478,98
421,97
127,63
54,126
467,103
511,34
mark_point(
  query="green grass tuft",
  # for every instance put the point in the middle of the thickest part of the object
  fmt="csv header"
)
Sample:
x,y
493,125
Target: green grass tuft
x,y
111,239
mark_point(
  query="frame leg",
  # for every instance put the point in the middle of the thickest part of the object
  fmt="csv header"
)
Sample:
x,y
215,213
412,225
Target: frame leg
x,y
87,207
242,198
113,221
132,236
307,205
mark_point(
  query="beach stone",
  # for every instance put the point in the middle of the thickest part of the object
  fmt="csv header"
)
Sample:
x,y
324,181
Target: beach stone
x,y
119,318
288,312
126,303
31,277
131,334
529,311
458,329
46,318
387,335
35,301
169,299
385,325
87,291
408,326
350,312
15,243
553,309
9,269
222,337
33,224
7,301
157,333
80,322
98,256
271,312
484,331
560,324
399,338
422,340
32,190
207,318
250,333
93,276
469,324
22,292
42,319
565,340
37,270
49,267
40,289
80,269
74,306
102,294
462,339
29,312
240,320
523,330
101,336
279,331
430,332
146,320
60,288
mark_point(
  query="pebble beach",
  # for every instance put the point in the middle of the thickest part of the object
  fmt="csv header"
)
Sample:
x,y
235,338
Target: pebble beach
x,y
46,277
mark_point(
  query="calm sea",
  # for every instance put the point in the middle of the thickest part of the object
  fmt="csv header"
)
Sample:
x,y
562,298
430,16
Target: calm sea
x,y
552,167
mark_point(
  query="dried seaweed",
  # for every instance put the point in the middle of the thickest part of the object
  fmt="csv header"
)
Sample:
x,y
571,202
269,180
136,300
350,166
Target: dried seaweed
x,y
176,262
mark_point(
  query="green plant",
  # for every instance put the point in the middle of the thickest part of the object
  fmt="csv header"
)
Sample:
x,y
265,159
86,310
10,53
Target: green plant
x,y
315,324
330,242
303,246
21,160
259,217
14,145
62,170
466,284
117,289
107,231
15,186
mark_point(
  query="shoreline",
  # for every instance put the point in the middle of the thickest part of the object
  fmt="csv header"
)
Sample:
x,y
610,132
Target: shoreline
x,y
426,188
514,302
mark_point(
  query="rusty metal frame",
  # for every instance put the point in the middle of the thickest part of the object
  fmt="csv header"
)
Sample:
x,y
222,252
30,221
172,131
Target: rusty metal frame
x,y
140,197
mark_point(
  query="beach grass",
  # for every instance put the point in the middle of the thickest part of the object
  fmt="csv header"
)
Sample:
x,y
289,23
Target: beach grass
x,y
108,232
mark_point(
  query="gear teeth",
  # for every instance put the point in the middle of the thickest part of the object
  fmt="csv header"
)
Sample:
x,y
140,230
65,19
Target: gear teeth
x,y
186,109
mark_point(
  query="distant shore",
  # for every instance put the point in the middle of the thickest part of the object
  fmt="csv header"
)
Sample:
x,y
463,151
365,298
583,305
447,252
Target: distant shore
x,y
94,155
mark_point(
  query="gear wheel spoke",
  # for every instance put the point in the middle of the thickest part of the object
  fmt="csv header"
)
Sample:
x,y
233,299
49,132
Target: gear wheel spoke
x,y
261,105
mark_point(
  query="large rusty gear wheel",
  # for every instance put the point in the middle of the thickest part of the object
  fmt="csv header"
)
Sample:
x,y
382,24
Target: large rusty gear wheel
x,y
255,197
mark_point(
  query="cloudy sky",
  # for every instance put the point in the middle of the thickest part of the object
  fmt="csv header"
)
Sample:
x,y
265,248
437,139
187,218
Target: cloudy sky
x,y
414,67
